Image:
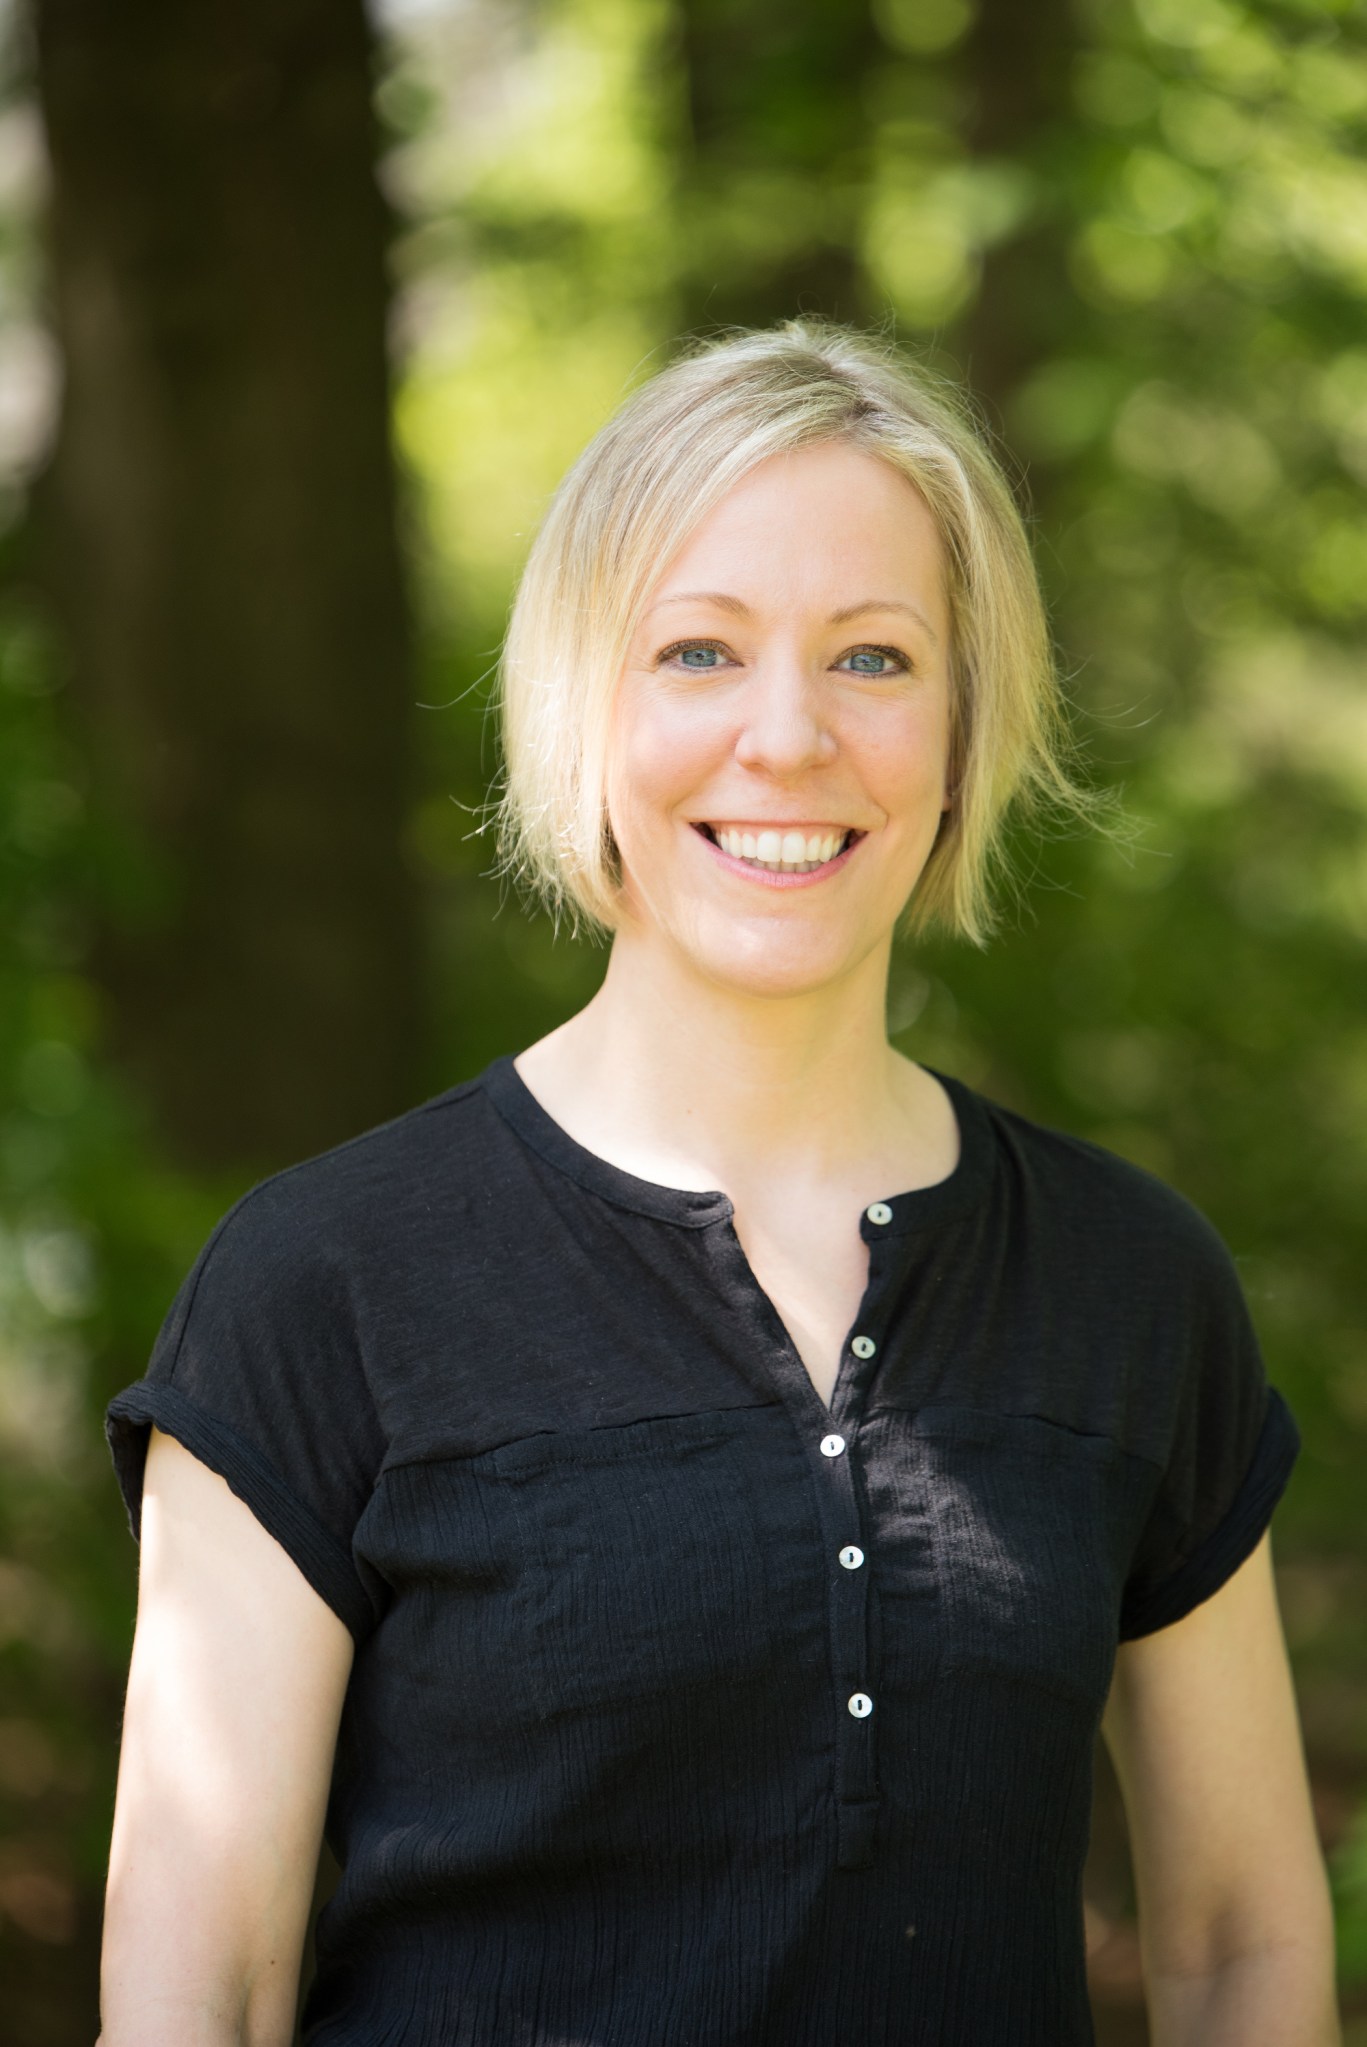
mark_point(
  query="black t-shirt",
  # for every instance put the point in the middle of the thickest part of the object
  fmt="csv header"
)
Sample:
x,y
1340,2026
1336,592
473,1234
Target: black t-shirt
x,y
685,1711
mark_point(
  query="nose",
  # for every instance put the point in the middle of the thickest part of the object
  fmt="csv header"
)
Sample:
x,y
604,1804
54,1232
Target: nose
x,y
785,729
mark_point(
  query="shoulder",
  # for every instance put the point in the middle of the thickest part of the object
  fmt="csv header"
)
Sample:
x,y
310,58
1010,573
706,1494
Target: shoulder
x,y
351,1207
328,1248
1104,1245
1120,1292
1097,1202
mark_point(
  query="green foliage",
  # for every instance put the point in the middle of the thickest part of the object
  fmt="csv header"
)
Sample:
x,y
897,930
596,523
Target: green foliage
x,y
93,1238
1349,1872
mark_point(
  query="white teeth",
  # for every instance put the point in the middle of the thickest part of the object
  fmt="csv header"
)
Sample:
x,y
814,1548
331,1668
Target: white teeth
x,y
781,852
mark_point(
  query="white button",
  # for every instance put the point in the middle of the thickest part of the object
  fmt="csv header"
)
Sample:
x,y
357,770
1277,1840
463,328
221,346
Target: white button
x,y
851,1556
832,1446
861,1705
863,1346
878,1212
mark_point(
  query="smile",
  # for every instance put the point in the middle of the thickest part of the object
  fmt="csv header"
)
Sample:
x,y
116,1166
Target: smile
x,y
787,849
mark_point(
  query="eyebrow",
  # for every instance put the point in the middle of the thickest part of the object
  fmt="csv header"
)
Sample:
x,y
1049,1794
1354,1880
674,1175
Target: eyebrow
x,y
725,602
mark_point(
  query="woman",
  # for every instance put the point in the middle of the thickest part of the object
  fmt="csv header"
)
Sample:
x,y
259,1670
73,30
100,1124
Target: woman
x,y
682,1501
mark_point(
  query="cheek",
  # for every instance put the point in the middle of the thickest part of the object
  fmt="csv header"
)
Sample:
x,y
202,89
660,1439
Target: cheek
x,y
905,759
661,752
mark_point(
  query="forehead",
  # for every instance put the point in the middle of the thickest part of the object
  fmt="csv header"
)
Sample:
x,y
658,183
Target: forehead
x,y
817,521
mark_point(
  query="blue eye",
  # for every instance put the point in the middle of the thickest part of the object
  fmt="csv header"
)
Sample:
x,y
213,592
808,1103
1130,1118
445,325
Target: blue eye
x,y
704,657
875,661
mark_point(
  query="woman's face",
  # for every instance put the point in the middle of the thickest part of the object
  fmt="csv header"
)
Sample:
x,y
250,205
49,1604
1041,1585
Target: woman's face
x,y
781,731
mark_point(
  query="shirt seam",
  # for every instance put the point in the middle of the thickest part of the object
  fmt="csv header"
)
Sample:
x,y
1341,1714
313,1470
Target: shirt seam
x,y
606,1428
1155,1463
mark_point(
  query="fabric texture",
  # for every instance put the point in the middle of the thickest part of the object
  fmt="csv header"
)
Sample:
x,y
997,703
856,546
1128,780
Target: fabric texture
x,y
686,1712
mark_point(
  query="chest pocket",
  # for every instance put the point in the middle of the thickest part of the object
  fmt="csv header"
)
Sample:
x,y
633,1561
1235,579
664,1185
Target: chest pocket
x,y
644,1571
1029,1524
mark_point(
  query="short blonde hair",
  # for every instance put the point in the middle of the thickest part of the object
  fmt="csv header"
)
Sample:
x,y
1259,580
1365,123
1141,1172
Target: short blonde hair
x,y
670,453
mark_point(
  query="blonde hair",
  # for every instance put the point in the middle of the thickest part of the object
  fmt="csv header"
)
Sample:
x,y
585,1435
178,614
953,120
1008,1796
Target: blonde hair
x,y
668,455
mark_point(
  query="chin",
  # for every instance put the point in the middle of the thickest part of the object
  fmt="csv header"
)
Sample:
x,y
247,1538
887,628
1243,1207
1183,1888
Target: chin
x,y
771,966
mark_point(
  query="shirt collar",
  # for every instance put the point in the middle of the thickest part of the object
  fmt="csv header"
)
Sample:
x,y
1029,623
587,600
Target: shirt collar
x,y
917,1209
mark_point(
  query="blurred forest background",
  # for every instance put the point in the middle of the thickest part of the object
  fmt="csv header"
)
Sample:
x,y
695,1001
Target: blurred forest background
x,y
302,313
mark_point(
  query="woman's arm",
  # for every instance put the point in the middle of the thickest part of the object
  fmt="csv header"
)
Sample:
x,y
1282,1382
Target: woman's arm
x,y
1235,1921
234,1696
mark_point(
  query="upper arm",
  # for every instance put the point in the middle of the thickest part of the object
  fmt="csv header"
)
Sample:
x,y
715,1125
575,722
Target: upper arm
x,y
235,1691
1203,1729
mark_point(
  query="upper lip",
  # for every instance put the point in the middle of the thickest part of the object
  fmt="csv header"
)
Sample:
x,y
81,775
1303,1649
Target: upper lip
x,y
774,824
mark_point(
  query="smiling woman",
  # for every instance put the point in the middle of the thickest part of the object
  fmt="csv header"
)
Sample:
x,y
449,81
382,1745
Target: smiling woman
x,y
786,733
683,1502
643,488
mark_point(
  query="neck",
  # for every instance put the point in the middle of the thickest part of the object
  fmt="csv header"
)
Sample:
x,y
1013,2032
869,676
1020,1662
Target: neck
x,y
688,1077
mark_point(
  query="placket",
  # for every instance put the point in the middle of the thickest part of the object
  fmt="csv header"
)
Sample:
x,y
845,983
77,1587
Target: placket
x,y
831,1438
853,1630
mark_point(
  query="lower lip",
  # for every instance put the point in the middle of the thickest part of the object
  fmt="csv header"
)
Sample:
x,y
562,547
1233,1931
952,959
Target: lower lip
x,y
765,878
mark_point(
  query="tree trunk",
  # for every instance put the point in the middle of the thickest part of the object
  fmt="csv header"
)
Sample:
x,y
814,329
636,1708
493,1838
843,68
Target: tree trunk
x,y
1019,62
220,526
775,161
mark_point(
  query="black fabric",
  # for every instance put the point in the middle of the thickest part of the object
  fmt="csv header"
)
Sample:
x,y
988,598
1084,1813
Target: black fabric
x,y
530,1426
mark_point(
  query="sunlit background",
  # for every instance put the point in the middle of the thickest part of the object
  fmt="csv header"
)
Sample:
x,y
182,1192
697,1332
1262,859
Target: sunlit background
x,y
271,453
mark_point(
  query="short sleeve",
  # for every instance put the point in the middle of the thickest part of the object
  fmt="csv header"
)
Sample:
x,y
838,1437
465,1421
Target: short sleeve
x,y
1233,1445
257,1371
